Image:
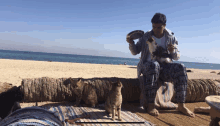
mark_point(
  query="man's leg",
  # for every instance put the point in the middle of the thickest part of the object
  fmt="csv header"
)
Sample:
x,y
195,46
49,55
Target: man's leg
x,y
176,73
151,74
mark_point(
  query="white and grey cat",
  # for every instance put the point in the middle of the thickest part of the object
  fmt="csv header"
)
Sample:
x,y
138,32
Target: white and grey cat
x,y
156,51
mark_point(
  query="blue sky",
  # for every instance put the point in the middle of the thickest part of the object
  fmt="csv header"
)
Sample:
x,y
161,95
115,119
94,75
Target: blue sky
x,y
97,27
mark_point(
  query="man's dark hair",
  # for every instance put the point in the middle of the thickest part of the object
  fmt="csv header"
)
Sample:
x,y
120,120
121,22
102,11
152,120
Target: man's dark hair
x,y
159,18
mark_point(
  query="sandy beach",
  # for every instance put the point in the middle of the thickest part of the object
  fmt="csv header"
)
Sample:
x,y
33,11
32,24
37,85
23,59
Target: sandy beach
x,y
13,71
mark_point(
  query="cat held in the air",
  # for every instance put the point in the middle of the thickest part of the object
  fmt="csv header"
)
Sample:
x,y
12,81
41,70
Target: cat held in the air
x,y
114,100
158,53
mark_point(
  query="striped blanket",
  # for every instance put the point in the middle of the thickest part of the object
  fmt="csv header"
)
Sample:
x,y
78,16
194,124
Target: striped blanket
x,y
98,117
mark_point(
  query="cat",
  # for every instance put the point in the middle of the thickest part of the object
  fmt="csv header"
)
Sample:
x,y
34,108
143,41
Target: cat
x,y
114,100
10,101
158,53
83,91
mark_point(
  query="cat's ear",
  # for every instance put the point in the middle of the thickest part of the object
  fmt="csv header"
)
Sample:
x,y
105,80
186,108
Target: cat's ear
x,y
150,39
79,79
119,82
122,85
79,83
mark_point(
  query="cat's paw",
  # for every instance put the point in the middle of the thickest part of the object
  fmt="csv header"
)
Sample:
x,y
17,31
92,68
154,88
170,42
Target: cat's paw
x,y
110,115
119,119
94,106
75,105
97,106
84,105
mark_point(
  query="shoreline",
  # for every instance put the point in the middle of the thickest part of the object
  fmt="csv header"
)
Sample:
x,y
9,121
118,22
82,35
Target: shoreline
x,y
13,71
112,64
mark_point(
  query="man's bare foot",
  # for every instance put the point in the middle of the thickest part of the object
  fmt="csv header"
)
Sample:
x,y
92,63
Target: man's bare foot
x,y
182,108
152,110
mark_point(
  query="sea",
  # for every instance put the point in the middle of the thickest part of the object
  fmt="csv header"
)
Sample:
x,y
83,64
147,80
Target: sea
x,y
56,57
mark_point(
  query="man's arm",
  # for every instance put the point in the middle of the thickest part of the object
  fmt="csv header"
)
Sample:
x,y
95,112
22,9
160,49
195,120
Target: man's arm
x,y
175,54
136,48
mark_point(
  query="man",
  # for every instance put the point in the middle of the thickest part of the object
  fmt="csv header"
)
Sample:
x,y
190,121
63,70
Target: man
x,y
172,72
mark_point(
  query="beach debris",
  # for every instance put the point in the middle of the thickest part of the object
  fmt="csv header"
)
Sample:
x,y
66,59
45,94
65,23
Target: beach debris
x,y
212,72
214,87
206,87
217,82
201,88
58,89
189,93
202,109
209,87
205,93
198,90
193,90
54,89
188,70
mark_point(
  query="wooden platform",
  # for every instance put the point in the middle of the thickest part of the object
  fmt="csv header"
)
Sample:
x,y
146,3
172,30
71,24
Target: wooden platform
x,y
173,117
98,115
166,117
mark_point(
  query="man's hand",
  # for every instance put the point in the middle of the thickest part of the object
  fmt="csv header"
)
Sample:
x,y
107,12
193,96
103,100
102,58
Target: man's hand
x,y
171,48
129,40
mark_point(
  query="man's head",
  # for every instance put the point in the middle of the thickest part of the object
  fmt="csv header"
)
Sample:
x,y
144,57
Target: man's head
x,y
158,23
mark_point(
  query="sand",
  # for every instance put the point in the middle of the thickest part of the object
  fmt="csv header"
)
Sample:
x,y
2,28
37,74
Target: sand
x,y
13,71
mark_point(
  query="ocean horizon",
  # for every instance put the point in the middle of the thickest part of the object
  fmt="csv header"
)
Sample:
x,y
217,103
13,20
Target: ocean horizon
x,y
75,58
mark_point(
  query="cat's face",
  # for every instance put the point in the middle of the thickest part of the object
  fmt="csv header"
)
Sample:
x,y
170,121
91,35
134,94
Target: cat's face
x,y
76,83
151,44
18,94
118,84
76,86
